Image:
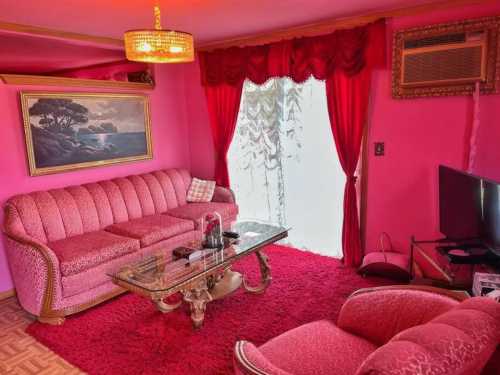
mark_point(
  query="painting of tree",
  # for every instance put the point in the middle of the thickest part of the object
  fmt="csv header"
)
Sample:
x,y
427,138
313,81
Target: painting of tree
x,y
70,131
59,115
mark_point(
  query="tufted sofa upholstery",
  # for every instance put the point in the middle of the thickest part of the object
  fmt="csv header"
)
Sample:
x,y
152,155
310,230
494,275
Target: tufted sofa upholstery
x,y
394,330
61,242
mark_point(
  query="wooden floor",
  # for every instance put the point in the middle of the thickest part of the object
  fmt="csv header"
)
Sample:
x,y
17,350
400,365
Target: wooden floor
x,y
20,353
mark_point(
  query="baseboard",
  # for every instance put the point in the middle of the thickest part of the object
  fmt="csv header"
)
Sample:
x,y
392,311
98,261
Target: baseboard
x,y
7,294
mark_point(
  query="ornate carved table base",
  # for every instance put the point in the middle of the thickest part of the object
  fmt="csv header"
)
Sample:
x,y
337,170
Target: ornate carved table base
x,y
165,307
199,293
198,297
265,273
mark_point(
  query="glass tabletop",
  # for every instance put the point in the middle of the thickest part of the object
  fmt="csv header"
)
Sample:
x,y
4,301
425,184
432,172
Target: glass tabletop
x,y
162,272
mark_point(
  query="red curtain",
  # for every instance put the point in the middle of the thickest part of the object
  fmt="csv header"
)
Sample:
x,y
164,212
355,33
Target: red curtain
x,y
223,107
349,50
347,99
344,58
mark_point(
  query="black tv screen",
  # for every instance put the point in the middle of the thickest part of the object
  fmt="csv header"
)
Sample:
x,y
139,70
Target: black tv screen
x,y
460,213
491,214
469,207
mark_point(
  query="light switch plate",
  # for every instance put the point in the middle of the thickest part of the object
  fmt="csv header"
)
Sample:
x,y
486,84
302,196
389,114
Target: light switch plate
x,y
379,148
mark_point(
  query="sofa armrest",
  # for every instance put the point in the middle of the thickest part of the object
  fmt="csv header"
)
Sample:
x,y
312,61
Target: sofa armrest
x,y
224,195
35,271
377,314
248,360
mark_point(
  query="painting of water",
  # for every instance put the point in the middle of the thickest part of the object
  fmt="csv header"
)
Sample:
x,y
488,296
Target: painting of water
x,y
67,131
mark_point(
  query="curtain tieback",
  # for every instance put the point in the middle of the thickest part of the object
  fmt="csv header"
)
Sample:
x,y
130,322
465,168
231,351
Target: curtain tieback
x,y
352,179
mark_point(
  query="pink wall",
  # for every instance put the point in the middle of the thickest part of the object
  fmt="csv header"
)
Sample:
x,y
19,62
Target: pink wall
x,y
419,135
201,144
170,143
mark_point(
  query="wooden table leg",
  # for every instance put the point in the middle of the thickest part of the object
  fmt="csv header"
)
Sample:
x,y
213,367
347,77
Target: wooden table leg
x,y
166,307
265,275
198,298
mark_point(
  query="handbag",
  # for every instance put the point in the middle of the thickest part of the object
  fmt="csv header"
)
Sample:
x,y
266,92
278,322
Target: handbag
x,y
386,263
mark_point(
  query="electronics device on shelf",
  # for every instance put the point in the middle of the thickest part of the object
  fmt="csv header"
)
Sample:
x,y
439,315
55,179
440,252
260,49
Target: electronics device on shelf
x,y
469,210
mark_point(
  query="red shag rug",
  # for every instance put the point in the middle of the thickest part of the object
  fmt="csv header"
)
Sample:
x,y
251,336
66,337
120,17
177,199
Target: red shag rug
x,y
128,335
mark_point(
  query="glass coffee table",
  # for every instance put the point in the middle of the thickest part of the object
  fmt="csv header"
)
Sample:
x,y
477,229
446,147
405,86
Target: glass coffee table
x,y
206,275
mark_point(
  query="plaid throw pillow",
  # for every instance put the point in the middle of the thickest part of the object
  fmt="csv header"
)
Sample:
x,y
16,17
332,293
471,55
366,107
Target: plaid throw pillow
x,y
200,191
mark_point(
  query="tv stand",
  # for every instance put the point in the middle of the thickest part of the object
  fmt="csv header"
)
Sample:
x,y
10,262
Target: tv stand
x,y
442,266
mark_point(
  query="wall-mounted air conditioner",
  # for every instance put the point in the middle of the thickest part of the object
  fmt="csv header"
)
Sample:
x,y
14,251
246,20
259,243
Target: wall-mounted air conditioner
x,y
447,59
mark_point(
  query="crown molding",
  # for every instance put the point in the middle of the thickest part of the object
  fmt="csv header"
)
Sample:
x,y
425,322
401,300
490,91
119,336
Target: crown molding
x,y
60,34
329,25
24,79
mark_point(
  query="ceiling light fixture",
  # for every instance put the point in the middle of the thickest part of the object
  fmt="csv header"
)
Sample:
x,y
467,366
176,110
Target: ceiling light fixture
x,y
158,45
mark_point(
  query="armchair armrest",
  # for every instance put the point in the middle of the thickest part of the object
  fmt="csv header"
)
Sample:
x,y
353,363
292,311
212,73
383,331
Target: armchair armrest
x,y
248,360
377,314
224,195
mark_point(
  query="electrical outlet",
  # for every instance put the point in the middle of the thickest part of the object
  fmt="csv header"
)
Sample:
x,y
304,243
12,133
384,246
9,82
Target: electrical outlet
x,y
379,148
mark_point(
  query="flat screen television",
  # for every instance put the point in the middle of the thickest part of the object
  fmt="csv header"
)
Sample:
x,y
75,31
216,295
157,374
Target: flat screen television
x,y
469,207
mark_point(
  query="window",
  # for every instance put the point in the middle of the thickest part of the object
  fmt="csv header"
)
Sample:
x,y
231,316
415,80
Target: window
x,y
283,163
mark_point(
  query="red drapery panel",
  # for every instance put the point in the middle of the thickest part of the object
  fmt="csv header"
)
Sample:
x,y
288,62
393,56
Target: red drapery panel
x,y
344,58
348,50
223,107
347,99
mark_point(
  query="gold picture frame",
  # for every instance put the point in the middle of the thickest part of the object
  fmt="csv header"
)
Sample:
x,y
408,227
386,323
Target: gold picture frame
x,y
66,131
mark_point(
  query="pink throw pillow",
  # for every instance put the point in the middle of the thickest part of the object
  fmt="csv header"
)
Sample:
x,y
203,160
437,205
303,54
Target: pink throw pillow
x,y
200,191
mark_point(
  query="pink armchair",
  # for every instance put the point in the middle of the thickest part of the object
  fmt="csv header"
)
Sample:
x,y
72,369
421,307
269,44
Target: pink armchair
x,y
388,330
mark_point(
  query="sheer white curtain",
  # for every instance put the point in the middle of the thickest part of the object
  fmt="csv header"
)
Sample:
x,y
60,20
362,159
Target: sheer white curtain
x,y
283,163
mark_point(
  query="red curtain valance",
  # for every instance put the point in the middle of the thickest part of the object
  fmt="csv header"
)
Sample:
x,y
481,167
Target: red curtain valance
x,y
349,50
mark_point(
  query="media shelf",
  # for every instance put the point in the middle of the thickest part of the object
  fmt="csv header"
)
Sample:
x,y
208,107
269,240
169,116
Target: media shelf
x,y
449,264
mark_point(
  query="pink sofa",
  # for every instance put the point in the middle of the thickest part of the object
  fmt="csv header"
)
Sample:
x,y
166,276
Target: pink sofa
x,y
388,330
61,242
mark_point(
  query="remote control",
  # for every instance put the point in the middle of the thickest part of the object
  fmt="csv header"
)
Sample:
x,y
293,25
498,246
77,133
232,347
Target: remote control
x,y
231,235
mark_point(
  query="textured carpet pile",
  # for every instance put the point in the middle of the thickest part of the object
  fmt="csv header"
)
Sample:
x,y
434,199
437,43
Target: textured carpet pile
x,y
128,335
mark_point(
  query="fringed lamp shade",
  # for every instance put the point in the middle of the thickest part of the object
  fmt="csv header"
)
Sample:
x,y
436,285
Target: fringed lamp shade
x,y
158,45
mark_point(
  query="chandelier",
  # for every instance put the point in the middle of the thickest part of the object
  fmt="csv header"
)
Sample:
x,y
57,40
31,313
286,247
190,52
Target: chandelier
x,y
158,45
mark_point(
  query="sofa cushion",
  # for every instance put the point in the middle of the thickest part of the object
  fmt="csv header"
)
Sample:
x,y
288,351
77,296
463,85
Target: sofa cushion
x,y
200,191
318,348
151,229
195,211
79,253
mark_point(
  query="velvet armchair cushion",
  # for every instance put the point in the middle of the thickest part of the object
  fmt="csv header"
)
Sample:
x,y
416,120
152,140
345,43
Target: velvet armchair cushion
x,y
432,336
317,348
367,314
460,342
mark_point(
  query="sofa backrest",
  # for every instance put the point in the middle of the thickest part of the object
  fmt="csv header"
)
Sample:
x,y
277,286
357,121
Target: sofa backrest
x,y
458,342
56,214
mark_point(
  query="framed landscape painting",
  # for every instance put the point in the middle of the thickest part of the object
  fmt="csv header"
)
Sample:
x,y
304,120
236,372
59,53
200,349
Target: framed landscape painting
x,y
68,131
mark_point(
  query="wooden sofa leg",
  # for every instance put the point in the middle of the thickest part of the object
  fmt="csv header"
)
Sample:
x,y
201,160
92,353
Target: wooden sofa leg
x,y
52,320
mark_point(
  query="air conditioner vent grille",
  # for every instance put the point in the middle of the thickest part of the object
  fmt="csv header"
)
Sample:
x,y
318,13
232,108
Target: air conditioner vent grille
x,y
435,40
445,65
447,59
